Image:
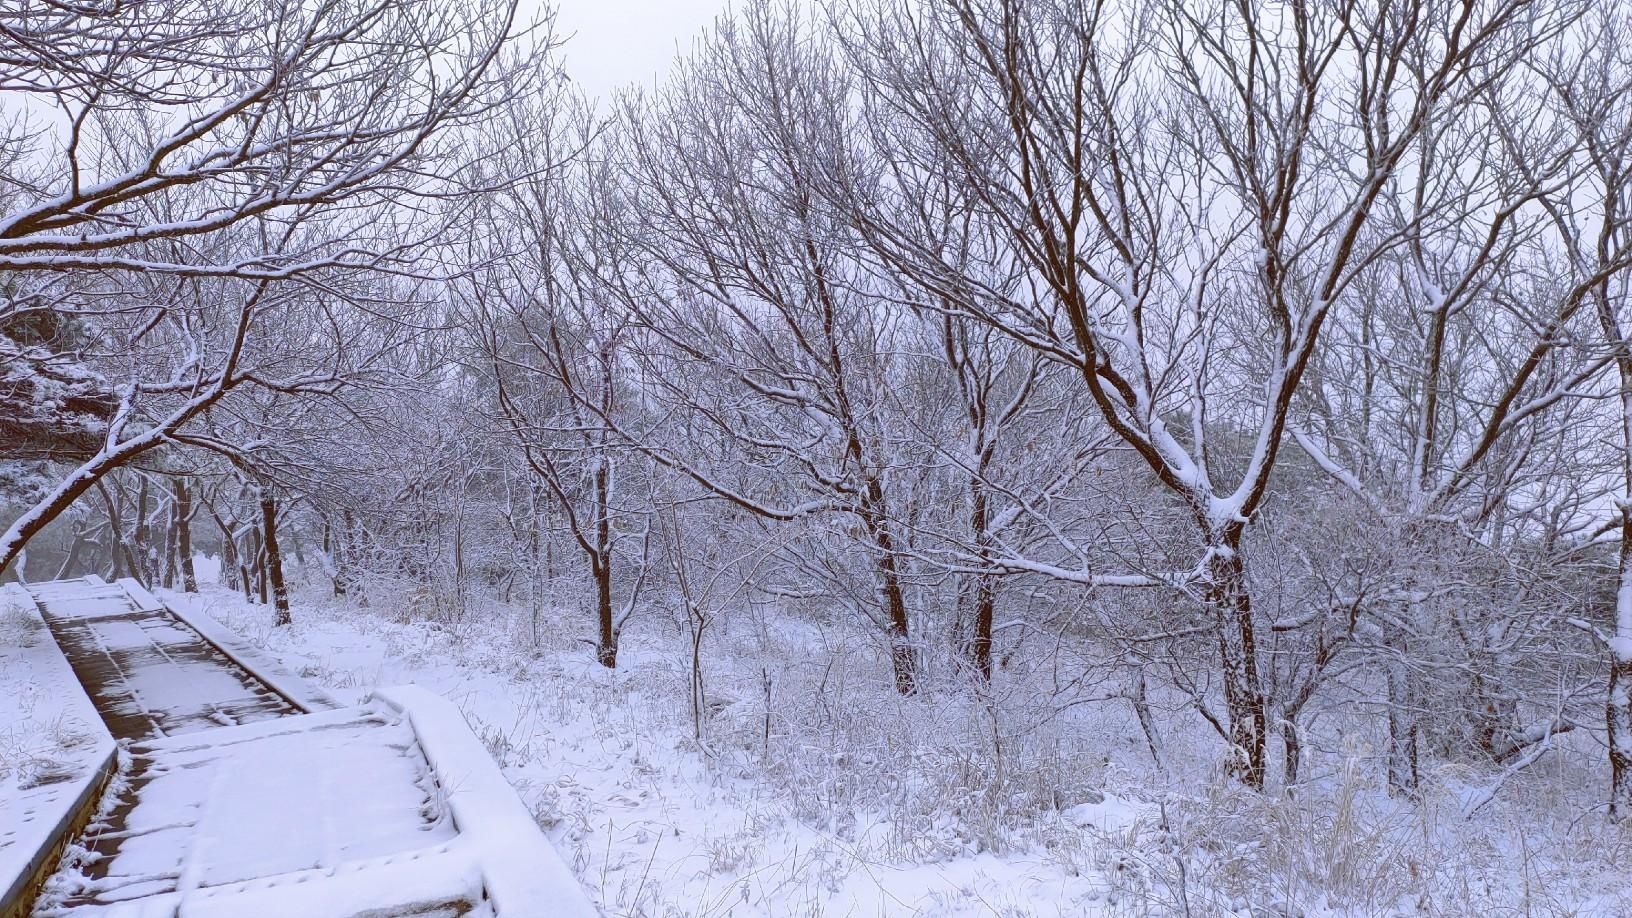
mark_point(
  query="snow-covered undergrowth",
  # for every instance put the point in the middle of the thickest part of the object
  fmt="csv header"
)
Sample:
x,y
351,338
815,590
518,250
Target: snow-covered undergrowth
x,y
44,735
52,745
815,790
32,742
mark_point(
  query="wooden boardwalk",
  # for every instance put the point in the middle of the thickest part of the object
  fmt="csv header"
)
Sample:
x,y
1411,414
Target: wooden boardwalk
x,y
150,675
234,799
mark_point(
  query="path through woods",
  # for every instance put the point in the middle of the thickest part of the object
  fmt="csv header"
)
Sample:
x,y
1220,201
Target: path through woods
x,y
233,800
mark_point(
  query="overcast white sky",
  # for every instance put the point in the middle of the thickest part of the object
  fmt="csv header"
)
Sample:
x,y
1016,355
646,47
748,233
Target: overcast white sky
x,y
617,42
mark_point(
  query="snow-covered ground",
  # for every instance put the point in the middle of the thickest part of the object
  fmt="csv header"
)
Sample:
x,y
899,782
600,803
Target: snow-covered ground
x,y
897,811
606,762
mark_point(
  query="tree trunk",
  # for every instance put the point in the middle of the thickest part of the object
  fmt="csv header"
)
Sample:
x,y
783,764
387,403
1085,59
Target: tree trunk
x,y
1147,721
696,622
142,536
1291,751
74,548
980,641
606,650
118,551
350,544
902,658
1238,653
979,591
169,565
542,560
274,560
331,550
231,567
1619,708
1402,719
184,535
344,549
255,557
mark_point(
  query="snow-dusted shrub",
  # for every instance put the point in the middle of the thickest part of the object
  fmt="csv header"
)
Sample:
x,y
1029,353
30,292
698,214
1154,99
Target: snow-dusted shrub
x,y
946,772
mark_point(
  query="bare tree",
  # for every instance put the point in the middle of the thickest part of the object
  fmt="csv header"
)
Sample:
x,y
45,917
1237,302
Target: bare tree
x,y
547,338
760,326
171,155
1592,215
1249,212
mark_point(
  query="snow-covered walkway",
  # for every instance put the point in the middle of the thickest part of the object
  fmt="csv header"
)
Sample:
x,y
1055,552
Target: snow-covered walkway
x,y
264,805
150,675
232,800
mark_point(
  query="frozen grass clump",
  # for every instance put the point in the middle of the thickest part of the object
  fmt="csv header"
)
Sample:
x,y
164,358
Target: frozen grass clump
x,y
944,773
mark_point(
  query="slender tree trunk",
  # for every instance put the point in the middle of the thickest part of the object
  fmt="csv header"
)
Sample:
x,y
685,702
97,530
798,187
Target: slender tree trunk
x,y
119,549
1619,709
542,560
74,548
980,592
169,565
184,535
606,650
350,548
980,642
1147,721
1291,750
696,622
342,555
331,550
902,658
231,566
256,558
142,570
459,562
1402,720
274,559
1231,604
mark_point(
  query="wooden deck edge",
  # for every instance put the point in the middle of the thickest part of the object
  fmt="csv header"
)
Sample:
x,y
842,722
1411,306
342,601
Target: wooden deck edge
x,y
306,698
22,889
523,875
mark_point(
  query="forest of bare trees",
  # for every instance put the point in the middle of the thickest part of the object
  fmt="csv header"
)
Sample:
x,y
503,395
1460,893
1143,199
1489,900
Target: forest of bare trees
x,y
1272,357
